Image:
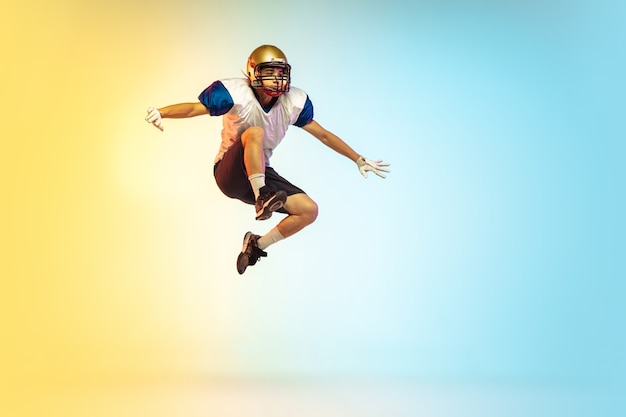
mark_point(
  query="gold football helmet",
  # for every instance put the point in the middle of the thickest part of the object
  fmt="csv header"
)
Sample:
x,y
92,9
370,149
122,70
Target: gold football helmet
x,y
268,70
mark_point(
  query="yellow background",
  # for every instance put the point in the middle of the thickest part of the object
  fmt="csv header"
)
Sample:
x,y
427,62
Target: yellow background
x,y
91,206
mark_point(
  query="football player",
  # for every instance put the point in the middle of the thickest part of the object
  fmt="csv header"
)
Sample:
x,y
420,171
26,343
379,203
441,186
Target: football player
x,y
256,112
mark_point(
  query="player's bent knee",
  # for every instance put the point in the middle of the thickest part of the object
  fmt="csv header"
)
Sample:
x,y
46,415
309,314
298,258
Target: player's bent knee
x,y
302,206
254,133
311,211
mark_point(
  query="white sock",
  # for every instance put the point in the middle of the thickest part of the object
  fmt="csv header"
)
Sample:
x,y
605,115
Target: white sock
x,y
257,181
270,238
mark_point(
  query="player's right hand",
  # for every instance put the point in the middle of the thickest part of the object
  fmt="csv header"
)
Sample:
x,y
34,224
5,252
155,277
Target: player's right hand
x,y
154,117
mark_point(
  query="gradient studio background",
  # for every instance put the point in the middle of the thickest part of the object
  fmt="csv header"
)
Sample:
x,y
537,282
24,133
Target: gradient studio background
x,y
491,256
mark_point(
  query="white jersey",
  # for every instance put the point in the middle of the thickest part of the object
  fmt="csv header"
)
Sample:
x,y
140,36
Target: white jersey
x,y
247,112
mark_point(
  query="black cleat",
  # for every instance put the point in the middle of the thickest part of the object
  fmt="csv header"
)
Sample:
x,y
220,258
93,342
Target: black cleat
x,y
250,253
268,203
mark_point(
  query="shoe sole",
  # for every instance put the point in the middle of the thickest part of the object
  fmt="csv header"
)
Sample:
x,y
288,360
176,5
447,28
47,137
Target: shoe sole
x,y
270,207
241,263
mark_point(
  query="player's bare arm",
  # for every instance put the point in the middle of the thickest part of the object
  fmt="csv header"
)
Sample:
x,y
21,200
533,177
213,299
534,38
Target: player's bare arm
x,y
175,111
333,141
182,110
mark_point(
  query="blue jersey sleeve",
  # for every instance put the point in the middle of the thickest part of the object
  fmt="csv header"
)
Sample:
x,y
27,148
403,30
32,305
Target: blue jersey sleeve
x,y
217,99
306,115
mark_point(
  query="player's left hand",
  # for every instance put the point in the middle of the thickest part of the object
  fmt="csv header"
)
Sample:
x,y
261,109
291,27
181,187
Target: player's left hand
x,y
377,167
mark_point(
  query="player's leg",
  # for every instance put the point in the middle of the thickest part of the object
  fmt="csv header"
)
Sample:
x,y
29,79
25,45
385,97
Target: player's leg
x,y
302,212
267,201
301,209
253,155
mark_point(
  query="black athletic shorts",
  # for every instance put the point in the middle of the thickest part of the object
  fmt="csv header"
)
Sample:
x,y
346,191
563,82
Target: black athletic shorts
x,y
232,178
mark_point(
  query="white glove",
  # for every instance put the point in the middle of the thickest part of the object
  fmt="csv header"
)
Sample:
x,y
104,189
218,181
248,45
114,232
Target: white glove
x,y
377,167
154,117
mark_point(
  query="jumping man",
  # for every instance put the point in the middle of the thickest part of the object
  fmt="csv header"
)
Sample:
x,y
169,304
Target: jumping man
x,y
257,110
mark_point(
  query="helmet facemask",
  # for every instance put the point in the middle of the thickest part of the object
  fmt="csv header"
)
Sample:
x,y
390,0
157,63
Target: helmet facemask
x,y
272,77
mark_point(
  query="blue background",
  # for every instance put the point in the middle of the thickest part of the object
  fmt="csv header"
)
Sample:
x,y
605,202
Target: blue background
x,y
494,250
